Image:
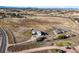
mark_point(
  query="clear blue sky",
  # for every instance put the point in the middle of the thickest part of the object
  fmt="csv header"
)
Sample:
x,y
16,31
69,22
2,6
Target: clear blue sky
x,y
37,3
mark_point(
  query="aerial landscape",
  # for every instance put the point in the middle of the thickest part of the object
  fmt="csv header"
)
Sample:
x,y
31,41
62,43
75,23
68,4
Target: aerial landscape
x,y
39,30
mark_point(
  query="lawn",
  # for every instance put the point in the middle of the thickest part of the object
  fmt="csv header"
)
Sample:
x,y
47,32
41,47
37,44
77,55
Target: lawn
x,y
64,43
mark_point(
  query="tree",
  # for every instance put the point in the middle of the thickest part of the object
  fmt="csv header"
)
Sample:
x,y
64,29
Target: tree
x,y
61,36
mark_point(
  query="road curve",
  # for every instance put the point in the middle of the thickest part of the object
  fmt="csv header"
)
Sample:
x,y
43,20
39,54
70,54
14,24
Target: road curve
x,y
4,42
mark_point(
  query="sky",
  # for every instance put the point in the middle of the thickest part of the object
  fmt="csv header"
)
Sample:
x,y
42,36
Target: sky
x,y
39,3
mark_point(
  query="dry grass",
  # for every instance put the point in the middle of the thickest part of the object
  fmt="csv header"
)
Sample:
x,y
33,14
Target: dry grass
x,y
10,37
27,33
21,47
41,23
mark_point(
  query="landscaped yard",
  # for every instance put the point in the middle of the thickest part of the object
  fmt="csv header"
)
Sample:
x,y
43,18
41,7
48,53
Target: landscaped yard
x,y
64,43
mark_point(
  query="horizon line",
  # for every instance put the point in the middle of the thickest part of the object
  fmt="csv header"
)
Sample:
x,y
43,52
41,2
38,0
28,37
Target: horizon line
x,y
41,6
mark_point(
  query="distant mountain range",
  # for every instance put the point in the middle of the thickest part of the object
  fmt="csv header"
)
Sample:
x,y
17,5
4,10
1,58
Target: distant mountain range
x,y
54,7
8,7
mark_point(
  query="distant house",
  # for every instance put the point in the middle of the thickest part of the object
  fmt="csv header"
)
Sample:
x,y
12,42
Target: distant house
x,y
59,31
39,33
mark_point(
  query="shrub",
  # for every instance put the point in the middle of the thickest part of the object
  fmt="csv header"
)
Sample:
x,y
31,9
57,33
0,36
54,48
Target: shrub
x,y
64,43
55,50
13,15
61,36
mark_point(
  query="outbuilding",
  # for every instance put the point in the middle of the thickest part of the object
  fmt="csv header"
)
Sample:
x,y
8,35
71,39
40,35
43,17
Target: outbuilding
x,y
38,32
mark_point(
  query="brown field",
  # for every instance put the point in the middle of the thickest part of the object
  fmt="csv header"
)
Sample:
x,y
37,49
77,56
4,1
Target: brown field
x,y
21,27
19,23
17,48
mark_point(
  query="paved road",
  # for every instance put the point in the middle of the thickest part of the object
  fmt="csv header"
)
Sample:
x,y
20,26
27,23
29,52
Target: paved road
x,y
0,38
3,43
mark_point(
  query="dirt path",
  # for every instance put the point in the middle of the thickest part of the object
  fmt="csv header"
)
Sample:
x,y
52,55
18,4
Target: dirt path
x,y
47,48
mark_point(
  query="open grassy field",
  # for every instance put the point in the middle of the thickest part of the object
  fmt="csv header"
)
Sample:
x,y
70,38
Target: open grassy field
x,y
21,26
